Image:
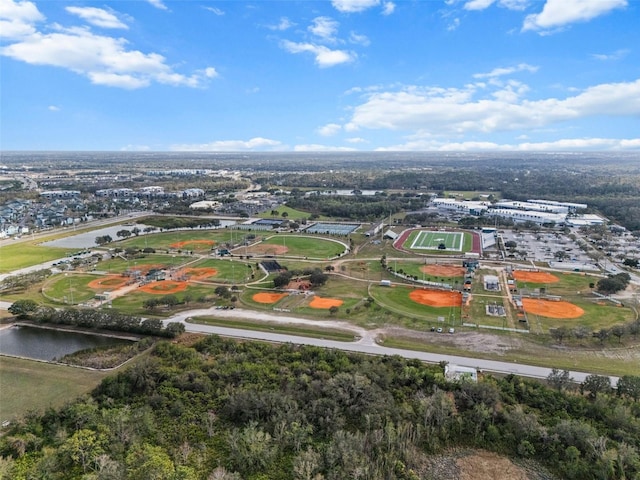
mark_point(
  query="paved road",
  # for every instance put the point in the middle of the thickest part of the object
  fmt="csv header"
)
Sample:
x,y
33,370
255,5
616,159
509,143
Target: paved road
x,y
366,344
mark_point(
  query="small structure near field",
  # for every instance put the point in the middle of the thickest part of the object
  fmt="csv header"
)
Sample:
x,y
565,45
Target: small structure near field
x,y
271,266
458,373
492,283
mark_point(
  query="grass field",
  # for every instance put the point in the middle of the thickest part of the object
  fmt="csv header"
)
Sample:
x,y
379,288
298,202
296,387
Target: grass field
x,y
397,299
119,265
164,240
70,288
25,254
428,240
27,385
292,214
303,331
303,246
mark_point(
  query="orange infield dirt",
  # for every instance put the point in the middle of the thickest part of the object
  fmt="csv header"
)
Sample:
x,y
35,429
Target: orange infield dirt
x,y
443,270
268,249
111,281
436,298
165,287
265,297
534,277
201,273
196,243
319,302
546,308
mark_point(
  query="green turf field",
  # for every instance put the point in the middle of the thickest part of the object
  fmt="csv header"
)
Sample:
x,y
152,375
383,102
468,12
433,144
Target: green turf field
x,y
21,255
303,246
429,240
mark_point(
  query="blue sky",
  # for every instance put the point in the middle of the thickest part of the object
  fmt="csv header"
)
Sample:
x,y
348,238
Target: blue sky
x,y
362,75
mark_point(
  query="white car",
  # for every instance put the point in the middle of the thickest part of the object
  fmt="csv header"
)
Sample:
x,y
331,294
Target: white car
x,y
439,330
452,330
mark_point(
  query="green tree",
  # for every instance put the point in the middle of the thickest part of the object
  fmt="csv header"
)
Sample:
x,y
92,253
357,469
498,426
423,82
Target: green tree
x,y
560,379
629,385
83,448
23,308
595,384
149,462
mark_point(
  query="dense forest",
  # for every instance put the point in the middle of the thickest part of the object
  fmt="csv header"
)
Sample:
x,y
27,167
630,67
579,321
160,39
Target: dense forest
x,y
226,409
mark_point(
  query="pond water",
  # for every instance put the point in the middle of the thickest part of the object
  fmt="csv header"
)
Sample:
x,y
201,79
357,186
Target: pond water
x,y
47,344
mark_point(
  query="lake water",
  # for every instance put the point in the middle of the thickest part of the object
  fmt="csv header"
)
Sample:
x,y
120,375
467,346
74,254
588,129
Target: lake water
x,y
46,344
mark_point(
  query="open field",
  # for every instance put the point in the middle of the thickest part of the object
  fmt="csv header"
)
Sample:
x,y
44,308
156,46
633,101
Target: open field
x,y
191,240
299,246
71,288
304,331
292,214
27,385
142,263
25,254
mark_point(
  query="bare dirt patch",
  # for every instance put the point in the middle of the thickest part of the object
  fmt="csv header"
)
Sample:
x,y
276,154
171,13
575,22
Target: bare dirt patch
x,y
551,309
482,465
443,270
535,277
299,285
267,249
266,297
325,303
110,281
165,287
193,243
202,273
436,298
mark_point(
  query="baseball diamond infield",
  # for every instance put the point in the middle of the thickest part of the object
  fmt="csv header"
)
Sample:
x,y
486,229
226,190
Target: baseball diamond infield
x,y
108,282
266,297
534,277
195,243
165,287
319,302
436,298
201,273
443,270
551,309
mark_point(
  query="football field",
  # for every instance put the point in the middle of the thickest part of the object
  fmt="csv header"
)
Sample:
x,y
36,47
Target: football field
x,y
429,240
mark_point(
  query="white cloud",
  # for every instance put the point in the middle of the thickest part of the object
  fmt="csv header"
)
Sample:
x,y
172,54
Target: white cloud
x,y
388,8
329,129
215,11
356,140
324,28
484,4
324,56
455,23
571,144
102,59
257,144
558,13
478,4
97,17
53,108
17,19
322,148
441,111
617,55
135,148
354,6
283,24
359,39
498,72
158,4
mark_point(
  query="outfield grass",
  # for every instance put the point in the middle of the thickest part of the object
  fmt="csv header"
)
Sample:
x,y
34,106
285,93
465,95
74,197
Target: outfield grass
x,y
70,288
119,265
303,331
25,254
397,299
27,385
304,246
131,303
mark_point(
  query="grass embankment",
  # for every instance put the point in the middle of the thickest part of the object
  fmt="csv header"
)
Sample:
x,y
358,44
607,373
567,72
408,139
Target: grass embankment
x,y
28,385
287,329
618,362
26,254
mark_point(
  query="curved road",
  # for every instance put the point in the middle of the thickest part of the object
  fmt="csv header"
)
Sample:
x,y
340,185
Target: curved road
x,y
366,344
